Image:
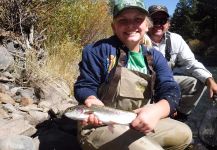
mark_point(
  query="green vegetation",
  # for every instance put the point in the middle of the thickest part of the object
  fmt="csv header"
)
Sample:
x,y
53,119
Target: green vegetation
x,y
197,20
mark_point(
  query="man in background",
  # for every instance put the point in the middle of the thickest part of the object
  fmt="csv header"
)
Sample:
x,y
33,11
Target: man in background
x,y
191,75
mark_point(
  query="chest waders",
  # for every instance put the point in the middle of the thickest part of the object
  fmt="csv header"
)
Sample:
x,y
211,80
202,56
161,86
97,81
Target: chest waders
x,y
127,89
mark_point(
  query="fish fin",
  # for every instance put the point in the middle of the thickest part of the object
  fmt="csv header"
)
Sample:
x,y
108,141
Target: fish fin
x,y
111,127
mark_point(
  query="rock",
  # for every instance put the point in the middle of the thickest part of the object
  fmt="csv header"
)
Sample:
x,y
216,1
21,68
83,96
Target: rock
x,y
60,108
24,108
14,90
3,121
17,116
45,105
38,116
16,127
16,142
24,101
9,108
6,60
6,77
5,98
30,108
36,143
53,91
208,127
26,92
2,88
3,113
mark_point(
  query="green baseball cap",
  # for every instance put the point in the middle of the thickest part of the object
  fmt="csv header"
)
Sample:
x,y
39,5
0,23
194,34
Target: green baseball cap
x,y
120,5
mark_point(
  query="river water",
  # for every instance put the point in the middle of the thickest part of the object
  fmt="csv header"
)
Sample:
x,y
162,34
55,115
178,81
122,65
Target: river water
x,y
197,116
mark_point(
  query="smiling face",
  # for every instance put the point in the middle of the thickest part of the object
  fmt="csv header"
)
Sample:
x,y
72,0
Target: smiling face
x,y
160,24
130,27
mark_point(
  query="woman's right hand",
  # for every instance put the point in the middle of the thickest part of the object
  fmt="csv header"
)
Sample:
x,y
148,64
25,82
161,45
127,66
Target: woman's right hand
x,y
92,119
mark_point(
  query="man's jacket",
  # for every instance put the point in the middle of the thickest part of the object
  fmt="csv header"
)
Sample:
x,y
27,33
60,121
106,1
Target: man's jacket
x,y
182,58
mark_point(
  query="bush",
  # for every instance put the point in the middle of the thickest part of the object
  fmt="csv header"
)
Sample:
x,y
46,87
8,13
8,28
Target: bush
x,y
64,63
71,25
68,26
197,46
84,21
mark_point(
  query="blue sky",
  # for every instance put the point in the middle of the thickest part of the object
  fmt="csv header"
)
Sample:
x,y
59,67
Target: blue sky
x,y
170,4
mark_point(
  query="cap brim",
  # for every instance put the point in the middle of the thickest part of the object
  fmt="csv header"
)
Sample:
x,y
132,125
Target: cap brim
x,y
160,11
132,7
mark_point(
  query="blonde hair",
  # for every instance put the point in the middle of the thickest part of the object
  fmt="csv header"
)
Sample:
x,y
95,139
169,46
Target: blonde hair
x,y
146,40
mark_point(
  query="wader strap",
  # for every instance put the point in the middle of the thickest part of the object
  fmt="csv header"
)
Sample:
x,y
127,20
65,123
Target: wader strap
x,y
168,46
122,58
114,83
116,75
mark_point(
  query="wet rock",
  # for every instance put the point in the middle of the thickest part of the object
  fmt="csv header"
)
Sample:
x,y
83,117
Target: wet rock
x,y
208,127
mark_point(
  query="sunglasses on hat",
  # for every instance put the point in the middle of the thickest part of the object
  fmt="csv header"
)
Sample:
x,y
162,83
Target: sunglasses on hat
x,y
159,21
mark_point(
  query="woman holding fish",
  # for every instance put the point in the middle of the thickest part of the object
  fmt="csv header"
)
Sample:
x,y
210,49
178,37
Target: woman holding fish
x,y
122,73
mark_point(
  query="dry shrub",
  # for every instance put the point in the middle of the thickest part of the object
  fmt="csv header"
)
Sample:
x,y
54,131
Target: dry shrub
x,y
68,25
64,63
196,45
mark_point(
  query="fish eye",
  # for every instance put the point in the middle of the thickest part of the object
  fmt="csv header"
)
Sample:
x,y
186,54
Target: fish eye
x,y
80,110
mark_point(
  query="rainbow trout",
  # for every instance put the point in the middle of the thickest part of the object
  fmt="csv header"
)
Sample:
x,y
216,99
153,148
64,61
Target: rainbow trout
x,y
105,114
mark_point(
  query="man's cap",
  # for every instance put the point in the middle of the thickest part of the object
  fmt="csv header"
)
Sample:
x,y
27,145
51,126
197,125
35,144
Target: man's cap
x,y
158,8
120,5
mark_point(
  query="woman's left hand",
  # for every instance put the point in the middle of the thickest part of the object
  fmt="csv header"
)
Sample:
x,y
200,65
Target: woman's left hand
x,y
149,115
146,119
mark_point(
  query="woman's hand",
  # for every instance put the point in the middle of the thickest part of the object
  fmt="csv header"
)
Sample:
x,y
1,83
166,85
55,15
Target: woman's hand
x,y
149,115
146,119
92,119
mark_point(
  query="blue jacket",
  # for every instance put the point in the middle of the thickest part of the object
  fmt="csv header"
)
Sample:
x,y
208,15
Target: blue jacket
x,y
94,71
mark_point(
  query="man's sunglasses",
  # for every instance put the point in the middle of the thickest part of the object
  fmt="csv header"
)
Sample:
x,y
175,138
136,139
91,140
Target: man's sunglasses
x,y
159,21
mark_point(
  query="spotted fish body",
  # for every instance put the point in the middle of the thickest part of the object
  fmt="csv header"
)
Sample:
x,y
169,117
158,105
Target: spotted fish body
x,y
105,114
